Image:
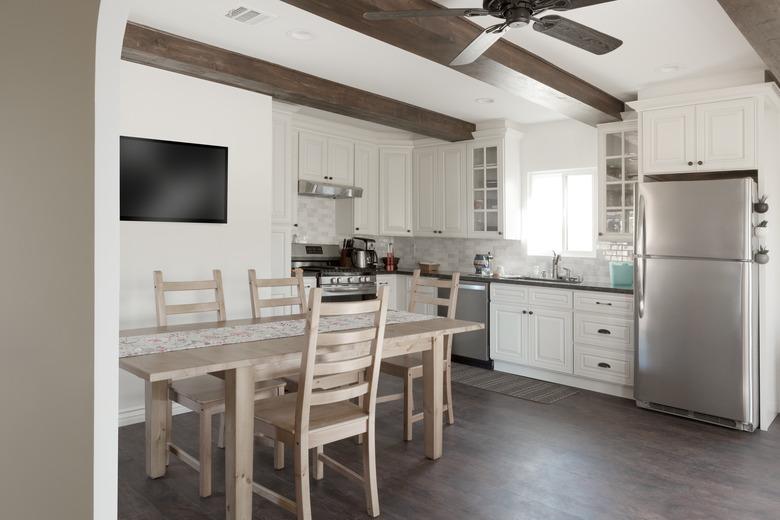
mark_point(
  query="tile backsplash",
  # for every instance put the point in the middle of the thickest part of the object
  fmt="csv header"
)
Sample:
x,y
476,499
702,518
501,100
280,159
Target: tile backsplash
x,y
317,222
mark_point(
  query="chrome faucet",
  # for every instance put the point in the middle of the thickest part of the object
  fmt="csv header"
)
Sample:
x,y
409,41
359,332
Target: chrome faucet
x,y
556,260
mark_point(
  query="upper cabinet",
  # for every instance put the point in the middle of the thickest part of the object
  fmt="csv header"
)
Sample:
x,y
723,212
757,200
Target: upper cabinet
x,y
325,159
395,191
283,191
618,179
366,208
439,191
699,137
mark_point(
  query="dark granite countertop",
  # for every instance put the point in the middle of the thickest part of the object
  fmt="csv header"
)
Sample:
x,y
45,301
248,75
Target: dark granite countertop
x,y
471,277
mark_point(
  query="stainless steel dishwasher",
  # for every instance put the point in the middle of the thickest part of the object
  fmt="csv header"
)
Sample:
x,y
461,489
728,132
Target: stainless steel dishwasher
x,y
472,348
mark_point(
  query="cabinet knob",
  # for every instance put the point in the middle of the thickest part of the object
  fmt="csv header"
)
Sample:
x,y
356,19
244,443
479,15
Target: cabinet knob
x,y
408,230
530,312
690,163
525,312
500,233
295,225
700,163
357,229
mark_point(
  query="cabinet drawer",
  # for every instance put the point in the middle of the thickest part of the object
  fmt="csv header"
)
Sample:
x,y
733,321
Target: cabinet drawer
x,y
508,293
550,297
603,331
604,365
608,303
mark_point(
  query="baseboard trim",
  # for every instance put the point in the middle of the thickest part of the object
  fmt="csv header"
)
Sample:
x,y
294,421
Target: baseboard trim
x,y
137,414
566,379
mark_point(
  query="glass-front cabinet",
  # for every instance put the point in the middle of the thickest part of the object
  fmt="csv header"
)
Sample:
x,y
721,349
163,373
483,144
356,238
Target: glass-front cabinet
x,y
618,179
485,211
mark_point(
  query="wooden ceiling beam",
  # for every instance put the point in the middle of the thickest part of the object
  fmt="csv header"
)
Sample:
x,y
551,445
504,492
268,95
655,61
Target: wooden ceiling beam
x,y
759,22
504,65
169,52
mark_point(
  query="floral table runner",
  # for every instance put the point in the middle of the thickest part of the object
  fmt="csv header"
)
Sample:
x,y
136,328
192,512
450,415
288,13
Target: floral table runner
x,y
188,339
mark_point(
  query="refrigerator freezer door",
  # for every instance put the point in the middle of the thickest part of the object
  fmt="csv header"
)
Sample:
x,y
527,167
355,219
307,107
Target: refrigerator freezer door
x,y
694,336
695,219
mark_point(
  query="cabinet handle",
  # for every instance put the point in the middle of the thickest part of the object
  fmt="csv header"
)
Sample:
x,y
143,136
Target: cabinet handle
x,y
604,303
295,225
605,331
357,229
690,163
525,312
408,230
604,365
530,312
500,233
700,163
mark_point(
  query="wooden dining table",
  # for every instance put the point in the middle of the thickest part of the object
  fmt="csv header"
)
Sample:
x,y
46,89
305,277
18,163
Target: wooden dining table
x,y
241,364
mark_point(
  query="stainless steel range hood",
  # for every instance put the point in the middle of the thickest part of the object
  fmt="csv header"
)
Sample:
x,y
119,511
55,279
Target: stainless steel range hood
x,y
328,191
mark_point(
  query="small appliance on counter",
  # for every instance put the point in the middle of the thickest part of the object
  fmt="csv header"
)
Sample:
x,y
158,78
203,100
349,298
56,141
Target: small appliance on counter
x,y
483,264
390,261
359,252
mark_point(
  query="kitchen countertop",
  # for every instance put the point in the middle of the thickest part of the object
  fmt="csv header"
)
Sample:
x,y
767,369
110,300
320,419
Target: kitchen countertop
x,y
471,277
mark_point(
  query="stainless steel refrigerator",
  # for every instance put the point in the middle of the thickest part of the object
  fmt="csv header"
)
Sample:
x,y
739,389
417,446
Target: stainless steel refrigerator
x,y
696,301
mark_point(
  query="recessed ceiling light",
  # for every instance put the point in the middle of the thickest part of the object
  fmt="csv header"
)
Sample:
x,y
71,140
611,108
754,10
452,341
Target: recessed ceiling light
x,y
668,69
300,34
484,100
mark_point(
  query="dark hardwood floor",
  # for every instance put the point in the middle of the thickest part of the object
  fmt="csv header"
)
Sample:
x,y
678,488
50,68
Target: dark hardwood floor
x,y
587,457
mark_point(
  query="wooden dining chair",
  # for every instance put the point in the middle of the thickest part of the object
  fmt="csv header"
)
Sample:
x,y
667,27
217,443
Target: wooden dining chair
x,y
296,302
312,417
410,367
204,395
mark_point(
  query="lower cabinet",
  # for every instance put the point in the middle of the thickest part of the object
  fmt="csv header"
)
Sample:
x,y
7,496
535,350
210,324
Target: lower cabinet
x,y
550,339
508,333
390,282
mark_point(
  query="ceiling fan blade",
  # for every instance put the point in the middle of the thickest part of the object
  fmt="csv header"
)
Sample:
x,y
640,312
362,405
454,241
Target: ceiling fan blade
x,y
576,34
479,45
576,4
392,15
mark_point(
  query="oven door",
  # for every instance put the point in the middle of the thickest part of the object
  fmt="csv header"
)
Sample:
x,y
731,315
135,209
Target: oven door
x,y
349,294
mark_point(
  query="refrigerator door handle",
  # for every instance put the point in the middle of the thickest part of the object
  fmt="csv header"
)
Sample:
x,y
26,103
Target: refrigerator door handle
x,y
640,236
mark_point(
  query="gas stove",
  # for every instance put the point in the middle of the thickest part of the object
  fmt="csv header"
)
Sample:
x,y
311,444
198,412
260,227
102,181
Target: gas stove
x,y
337,283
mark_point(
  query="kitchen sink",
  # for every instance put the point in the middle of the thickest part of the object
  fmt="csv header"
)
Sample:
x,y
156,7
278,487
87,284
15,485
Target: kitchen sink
x,y
539,279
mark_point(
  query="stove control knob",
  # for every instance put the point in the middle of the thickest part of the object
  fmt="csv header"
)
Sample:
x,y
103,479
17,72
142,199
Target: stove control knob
x,y
335,280
354,279
366,279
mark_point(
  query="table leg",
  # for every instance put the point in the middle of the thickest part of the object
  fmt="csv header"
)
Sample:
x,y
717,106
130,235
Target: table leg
x,y
433,377
239,442
156,411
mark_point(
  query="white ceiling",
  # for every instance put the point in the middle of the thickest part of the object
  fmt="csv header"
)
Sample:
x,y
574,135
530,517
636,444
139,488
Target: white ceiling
x,y
337,54
695,35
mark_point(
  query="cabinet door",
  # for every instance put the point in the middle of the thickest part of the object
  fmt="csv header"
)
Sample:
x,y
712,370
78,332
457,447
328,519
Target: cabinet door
x,y
618,179
669,140
401,292
366,208
284,191
390,282
726,137
395,194
312,156
426,193
550,343
452,191
507,333
484,189
341,161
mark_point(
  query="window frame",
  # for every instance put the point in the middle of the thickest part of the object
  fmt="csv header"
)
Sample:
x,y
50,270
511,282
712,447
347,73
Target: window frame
x,y
564,173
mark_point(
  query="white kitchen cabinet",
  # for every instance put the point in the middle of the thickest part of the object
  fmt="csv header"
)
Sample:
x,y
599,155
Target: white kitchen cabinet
x,y
366,208
439,194
618,179
508,340
699,137
284,193
395,191
550,344
390,282
323,158
341,161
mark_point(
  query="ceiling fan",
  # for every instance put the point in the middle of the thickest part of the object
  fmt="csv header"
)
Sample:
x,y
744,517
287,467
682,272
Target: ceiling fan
x,y
516,14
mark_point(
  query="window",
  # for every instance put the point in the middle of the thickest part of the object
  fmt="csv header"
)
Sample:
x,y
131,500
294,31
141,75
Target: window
x,y
560,213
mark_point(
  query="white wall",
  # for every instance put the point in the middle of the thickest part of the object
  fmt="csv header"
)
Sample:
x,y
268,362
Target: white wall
x,y
560,145
164,105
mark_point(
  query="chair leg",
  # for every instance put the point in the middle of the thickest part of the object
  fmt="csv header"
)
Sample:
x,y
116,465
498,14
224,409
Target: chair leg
x,y
448,394
279,446
408,405
302,490
369,472
319,466
204,454
168,431
221,435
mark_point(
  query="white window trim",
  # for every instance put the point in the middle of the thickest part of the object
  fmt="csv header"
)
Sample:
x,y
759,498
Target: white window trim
x,y
594,187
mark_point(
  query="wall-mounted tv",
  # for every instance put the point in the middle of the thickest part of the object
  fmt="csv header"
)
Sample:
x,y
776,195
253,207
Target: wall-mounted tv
x,y
168,181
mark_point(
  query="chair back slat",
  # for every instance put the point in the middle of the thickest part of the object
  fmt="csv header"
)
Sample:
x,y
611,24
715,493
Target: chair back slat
x,y
295,282
338,358
164,310
451,303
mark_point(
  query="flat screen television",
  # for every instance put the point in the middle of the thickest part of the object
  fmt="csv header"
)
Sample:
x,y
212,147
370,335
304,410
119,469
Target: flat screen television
x,y
168,181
